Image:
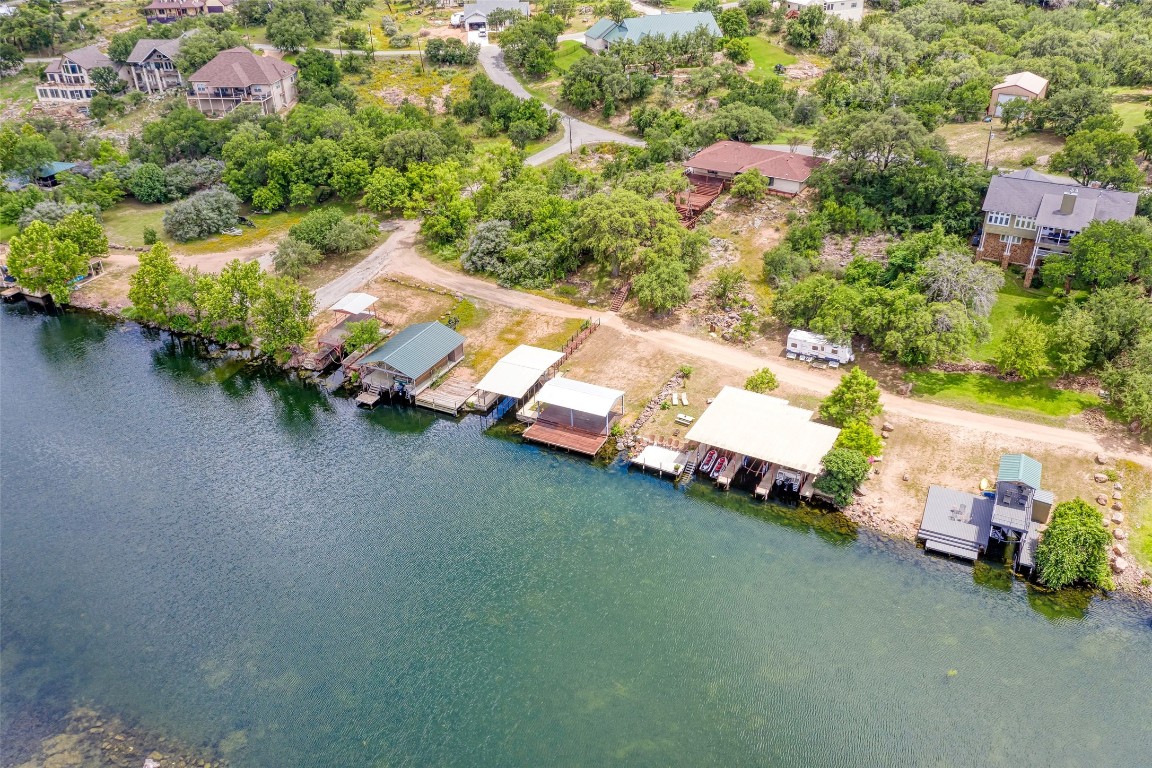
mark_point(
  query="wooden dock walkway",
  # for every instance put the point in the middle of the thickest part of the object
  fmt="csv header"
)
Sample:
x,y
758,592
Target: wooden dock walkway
x,y
450,397
573,440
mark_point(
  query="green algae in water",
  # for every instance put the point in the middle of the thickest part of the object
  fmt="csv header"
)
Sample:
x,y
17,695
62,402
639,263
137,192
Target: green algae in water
x,y
1068,603
993,576
830,526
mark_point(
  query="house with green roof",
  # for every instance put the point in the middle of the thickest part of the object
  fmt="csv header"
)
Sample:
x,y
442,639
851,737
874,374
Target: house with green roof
x,y
606,33
408,362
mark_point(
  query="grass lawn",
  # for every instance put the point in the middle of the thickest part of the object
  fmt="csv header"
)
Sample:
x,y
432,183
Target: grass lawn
x,y
765,56
969,140
683,5
1016,301
1140,513
988,394
1131,104
20,87
7,231
569,52
269,226
126,221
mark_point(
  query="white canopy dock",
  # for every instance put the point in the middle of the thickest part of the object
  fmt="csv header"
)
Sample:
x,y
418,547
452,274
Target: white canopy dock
x,y
776,443
516,374
354,303
573,414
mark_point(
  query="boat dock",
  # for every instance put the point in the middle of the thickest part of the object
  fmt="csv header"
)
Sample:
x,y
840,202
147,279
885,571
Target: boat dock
x,y
569,439
661,460
449,397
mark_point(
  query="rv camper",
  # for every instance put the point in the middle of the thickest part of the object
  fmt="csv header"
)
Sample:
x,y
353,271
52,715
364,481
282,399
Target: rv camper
x,y
805,345
457,19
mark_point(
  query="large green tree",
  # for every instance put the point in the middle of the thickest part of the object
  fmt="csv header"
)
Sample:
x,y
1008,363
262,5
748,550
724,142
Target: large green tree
x,y
844,470
1074,548
855,398
281,314
1100,155
150,289
1023,350
41,260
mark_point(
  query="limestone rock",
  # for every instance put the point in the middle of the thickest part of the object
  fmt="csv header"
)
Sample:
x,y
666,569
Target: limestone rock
x,y
1102,500
1119,565
1118,487
1117,495
1101,459
1118,518
1119,533
1100,477
907,477
1120,548
1117,506
887,427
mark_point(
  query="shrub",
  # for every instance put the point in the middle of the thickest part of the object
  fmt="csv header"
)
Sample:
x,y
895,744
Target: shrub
x,y
292,257
844,470
761,381
330,231
738,50
855,398
1074,548
151,236
400,41
203,214
1028,159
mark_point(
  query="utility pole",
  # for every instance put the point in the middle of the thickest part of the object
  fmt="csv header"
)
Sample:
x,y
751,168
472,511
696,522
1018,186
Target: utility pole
x,y
988,146
570,148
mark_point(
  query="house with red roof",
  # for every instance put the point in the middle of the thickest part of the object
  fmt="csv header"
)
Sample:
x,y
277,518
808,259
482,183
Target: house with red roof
x,y
786,172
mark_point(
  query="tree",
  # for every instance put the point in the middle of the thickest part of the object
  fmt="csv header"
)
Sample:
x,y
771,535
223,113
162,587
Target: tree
x,y
952,276
883,139
805,30
292,257
282,314
750,186
855,398
662,285
618,10
738,50
726,285
1024,349
205,213
1074,548
23,152
11,59
85,232
106,81
41,261
148,184
387,190
150,287
289,32
1070,340
292,24
319,67
1065,111
364,334
620,227
762,380
844,471
1104,254
1106,156
1129,381
859,436
734,23
530,44
199,49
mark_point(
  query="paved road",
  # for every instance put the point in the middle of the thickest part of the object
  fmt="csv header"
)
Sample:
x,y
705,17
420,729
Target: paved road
x,y
576,133
402,238
385,54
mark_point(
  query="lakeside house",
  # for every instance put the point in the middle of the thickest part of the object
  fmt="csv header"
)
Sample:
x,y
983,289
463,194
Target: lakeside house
x,y
759,442
1021,85
515,376
787,173
408,362
168,11
151,65
69,77
238,77
474,16
849,10
606,33
1028,215
572,415
1016,511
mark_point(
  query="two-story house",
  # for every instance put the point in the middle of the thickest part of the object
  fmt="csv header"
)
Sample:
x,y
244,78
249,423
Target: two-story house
x,y
167,11
152,65
849,10
68,78
1028,215
237,76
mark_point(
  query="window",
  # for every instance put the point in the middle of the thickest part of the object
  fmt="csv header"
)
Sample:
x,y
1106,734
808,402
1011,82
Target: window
x,y
793,345
999,219
1009,239
1026,222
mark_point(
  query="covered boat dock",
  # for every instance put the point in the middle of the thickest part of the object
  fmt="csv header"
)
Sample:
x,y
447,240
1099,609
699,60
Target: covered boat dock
x,y
762,441
515,376
572,415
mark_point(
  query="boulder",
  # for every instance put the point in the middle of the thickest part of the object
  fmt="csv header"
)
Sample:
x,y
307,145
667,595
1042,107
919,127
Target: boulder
x,y
1118,487
1119,565
887,427
1119,533
1102,500
1116,495
1101,459
907,477
1117,506
1118,518
1100,477
1120,548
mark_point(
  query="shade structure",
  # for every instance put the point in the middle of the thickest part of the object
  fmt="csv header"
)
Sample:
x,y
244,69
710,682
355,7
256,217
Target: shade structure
x,y
516,372
354,303
765,428
579,396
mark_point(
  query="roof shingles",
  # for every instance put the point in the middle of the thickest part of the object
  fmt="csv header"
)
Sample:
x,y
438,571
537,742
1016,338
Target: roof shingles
x,y
240,68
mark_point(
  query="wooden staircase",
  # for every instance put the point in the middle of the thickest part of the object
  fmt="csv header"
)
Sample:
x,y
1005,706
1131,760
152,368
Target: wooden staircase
x,y
619,296
688,473
696,200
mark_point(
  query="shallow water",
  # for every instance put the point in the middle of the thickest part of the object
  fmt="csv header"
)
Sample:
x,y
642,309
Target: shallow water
x,y
232,557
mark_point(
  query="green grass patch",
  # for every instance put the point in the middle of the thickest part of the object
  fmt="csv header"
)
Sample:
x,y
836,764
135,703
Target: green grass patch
x,y
683,5
1016,301
765,57
569,52
980,392
125,222
7,231
20,87
1131,104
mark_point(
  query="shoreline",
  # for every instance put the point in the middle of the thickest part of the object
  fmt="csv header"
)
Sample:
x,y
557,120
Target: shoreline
x,y
1134,581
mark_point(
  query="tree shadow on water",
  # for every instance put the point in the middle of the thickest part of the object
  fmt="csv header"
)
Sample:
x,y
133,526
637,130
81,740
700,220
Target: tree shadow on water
x,y
1068,603
67,338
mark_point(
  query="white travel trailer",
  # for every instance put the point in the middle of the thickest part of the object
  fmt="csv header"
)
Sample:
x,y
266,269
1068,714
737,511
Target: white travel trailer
x,y
457,19
805,345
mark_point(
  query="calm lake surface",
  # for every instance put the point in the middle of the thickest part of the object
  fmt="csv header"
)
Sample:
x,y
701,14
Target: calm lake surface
x,y
230,557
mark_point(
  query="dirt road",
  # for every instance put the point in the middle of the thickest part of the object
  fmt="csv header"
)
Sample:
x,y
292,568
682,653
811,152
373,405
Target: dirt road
x,y
406,261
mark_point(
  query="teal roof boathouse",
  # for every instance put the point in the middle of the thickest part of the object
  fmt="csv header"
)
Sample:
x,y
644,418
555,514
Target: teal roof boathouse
x,y
1018,468
416,350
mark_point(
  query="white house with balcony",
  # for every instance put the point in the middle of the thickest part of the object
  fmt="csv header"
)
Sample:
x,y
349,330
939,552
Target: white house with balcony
x,y
152,65
237,77
69,78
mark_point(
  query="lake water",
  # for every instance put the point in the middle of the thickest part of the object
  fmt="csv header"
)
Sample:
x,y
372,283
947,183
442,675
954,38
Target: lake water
x,y
225,556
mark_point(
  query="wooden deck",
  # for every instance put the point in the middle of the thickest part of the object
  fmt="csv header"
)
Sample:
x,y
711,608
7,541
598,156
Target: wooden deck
x,y
449,397
572,440
696,199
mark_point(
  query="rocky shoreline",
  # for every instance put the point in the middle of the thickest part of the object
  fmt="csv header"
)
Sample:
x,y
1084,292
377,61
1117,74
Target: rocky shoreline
x,y
89,739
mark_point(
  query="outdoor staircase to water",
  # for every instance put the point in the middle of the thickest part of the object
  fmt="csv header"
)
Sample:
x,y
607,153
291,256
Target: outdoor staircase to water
x,y
688,473
619,296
